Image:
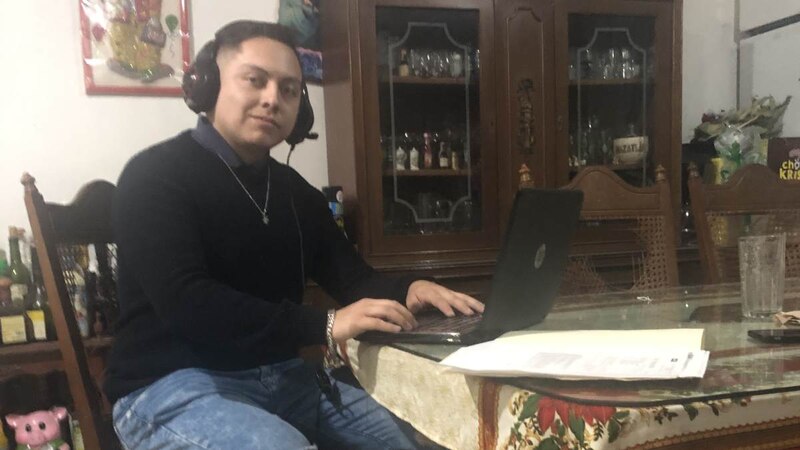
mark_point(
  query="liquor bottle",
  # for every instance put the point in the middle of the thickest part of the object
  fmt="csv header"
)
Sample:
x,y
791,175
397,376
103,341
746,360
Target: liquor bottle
x,y
39,317
12,321
5,280
19,273
427,151
413,158
455,160
444,157
403,69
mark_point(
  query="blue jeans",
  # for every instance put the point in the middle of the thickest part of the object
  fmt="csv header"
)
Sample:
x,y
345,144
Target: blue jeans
x,y
279,406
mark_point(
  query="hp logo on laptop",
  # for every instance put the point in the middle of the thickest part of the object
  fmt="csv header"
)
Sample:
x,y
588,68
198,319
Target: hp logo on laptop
x,y
540,254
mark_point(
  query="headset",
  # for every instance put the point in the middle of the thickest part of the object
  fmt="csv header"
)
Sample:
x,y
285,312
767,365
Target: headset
x,y
201,85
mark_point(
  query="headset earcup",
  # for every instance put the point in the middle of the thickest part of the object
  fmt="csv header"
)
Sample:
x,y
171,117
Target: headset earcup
x,y
201,80
305,119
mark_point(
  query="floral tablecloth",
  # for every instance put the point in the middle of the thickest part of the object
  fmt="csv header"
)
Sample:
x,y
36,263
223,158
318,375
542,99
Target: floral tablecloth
x,y
466,412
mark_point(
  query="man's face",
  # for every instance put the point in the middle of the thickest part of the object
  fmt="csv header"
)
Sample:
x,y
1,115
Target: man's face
x,y
259,96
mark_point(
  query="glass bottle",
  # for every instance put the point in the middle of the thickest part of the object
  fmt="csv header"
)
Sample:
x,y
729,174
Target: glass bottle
x,y
444,157
403,68
427,151
19,273
455,160
37,311
12,320
400,157
5,281
413,159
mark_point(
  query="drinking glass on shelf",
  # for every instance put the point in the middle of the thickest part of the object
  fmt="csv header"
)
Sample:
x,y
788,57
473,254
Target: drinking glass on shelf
x,y
587,66
606,146
433,60
630,68
441,211
444,63
604,68
462,217
615,62
572,71
416,60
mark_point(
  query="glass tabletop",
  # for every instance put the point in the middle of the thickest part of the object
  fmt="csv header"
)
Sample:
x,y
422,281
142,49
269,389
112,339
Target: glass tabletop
x,y
738,367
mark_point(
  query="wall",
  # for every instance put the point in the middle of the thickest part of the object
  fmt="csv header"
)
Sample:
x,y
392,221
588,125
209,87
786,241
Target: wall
x,y
769,61
709,60
52,129
759,12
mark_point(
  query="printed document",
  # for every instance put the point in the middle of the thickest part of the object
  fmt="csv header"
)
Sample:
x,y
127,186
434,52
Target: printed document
x,y
587,354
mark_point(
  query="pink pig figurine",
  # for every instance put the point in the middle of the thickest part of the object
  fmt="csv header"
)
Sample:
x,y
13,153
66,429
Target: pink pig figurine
x,y
39,430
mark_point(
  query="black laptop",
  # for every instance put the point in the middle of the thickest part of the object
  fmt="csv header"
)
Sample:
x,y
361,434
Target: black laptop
x,y
526,280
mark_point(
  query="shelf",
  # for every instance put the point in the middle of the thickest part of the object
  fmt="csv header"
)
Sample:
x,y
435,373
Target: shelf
x,y
47,351
438,81
427,173
611,82
614,167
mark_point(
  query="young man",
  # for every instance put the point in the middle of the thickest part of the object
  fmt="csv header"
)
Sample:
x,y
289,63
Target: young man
x,y
215,241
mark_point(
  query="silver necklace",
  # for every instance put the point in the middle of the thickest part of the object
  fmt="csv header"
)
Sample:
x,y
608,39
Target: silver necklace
x,y
263,212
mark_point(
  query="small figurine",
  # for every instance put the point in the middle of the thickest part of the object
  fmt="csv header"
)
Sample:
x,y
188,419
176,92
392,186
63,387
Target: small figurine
x,y
39,430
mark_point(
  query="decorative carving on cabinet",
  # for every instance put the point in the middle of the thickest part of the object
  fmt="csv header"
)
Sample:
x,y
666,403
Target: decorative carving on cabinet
x,y
527,120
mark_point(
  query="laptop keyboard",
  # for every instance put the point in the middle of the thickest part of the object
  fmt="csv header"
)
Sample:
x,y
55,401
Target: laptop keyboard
x,y
435,321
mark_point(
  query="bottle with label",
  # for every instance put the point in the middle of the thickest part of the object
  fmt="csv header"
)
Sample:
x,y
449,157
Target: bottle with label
x,y
403,68
12,325
427,152
39,318
19,273
12,317
444,157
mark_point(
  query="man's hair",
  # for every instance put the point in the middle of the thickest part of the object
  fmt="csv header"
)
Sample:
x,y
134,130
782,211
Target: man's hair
x,y
233,34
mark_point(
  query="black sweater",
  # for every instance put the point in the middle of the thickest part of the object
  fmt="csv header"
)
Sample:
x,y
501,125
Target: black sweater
x,y
203,283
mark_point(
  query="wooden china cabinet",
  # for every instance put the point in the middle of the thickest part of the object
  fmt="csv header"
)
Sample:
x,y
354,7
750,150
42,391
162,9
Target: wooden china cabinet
x,y
432,106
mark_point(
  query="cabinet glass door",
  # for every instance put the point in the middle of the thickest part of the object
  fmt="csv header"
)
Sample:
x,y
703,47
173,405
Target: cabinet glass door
x,y
428,74
614,82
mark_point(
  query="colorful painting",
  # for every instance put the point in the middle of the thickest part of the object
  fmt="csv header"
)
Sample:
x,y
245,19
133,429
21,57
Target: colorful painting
x,y
134,47
303,17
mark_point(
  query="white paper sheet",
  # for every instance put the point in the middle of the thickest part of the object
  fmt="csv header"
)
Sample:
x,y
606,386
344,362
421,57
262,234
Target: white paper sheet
x,y
588,354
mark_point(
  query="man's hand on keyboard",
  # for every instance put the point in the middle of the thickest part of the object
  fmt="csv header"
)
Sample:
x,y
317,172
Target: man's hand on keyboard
x,y
421,293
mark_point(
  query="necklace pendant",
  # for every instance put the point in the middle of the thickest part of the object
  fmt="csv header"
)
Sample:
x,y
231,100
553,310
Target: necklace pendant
x,y
265,219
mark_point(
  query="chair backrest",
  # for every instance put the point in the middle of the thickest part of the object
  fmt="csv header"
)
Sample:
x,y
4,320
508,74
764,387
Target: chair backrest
x,y
753,201
626,238
59,232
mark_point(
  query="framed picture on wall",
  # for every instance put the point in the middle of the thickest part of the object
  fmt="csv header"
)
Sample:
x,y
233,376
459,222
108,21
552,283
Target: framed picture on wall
x,y
134,47
303,17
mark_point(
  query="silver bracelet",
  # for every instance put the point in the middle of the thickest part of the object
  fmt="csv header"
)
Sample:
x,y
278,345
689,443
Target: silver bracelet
x,y
332,358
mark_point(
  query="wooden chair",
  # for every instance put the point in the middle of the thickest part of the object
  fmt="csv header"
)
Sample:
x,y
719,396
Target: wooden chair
x,y
626,238
57,230
753,201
